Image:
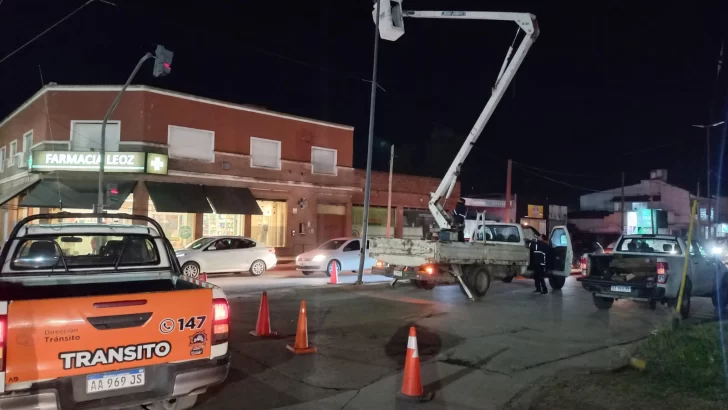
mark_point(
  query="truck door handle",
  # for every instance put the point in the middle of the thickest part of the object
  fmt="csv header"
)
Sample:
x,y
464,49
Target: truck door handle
x,y
119,321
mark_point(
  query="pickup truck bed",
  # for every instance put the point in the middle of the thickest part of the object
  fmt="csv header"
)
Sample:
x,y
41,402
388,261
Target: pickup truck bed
x,y
623,276
16,291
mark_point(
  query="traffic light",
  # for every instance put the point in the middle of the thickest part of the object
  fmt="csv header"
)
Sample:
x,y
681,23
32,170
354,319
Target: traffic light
x,y
112,193
162,61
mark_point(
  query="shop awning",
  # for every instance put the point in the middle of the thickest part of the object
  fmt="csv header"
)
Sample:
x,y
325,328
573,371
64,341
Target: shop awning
x,y
186,198
80,194
231,200
16,190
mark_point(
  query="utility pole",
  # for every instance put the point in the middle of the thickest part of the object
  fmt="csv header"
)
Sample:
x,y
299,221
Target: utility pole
x,y
389,196
622,224
707,159
368,183
508,192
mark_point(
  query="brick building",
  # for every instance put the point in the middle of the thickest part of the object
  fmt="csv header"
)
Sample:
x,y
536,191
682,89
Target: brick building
x,y
199,166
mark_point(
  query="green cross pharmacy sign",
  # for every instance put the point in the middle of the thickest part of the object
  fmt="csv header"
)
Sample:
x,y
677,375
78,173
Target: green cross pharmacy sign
x,y
119,162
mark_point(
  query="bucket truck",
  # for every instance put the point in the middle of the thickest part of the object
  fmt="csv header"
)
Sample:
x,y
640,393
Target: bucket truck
x,y
501,250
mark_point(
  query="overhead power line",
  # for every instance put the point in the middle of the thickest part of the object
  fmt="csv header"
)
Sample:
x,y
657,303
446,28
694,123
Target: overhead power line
x,y
81,7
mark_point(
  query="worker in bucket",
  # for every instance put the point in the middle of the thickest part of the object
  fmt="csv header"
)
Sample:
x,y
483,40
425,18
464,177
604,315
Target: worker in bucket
x,y
539,249
459,217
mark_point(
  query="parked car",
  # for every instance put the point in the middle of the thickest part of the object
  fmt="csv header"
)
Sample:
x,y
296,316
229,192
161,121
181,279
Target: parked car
x,y
582,249
220,254
342,252
610,247
649,268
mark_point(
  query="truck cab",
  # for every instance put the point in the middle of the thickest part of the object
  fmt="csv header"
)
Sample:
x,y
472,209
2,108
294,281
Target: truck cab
x,y
99,316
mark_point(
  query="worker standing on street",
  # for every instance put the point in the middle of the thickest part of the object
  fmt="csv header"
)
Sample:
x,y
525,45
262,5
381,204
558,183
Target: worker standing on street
x,y
539,250
459,216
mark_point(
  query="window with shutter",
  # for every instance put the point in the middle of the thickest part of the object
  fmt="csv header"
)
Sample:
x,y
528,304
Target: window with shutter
x,y
86,136
323,161
265,153
191,143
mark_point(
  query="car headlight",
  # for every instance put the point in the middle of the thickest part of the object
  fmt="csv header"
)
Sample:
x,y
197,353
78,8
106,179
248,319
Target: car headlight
x,y
179,255
318,258
717,250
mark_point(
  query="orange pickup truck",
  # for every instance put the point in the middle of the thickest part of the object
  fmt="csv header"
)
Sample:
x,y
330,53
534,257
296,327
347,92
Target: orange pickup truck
x,y
99,315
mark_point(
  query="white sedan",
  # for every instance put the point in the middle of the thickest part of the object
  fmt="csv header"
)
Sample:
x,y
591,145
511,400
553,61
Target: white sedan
x,y
226,254
342,252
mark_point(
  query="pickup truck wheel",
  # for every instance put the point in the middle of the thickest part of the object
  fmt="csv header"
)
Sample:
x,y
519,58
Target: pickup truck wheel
x,y
720,297
685,307
191,269
602,303
257,268
557,282
426,284
479,281
178,403
330,268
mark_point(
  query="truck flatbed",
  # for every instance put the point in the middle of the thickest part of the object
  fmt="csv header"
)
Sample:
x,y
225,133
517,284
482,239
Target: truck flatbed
x,y
411,252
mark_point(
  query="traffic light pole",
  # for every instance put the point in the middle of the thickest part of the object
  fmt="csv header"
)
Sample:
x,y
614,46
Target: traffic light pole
x,y
101,199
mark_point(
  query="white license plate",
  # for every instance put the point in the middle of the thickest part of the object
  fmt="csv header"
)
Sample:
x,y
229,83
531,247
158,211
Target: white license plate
x,y
398,273
122,379
624,289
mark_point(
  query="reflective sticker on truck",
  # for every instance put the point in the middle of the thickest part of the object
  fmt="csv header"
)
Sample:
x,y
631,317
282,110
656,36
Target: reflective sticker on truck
x,y
111,355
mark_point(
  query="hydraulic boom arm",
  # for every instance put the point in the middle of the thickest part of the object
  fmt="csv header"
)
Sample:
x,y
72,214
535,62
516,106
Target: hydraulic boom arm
x,y
526,22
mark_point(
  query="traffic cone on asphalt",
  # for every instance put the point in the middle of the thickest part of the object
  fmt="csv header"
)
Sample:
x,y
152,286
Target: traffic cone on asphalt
x,y
412,382
334,280
262,328
301,346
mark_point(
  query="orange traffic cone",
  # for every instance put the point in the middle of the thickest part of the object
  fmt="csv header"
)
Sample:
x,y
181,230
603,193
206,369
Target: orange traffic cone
x,y
334,274
412,383
262,328
301,346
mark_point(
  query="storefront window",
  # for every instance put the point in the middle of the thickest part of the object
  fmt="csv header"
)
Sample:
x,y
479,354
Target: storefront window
x,y
126,208
377,221
221,224
178,227
270,228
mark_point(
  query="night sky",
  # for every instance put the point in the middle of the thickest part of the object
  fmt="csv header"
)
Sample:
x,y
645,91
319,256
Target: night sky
x,y
605,88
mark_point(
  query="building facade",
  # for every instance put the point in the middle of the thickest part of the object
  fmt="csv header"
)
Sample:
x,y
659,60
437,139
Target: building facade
x,y
199,166
652,205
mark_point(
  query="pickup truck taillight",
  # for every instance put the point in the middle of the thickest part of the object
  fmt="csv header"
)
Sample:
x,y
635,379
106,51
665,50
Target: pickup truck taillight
x,y
3,337
584,262
220,321
663,270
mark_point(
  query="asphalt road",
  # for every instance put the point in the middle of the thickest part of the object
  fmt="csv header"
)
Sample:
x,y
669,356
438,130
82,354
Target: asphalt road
x,y
475,355
235,284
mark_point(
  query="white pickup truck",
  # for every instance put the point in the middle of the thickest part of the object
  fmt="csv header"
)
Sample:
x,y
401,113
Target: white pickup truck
x,y
502,252
648,268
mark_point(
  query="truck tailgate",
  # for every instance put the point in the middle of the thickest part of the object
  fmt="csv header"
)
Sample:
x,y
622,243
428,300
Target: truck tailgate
x,y
50,338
